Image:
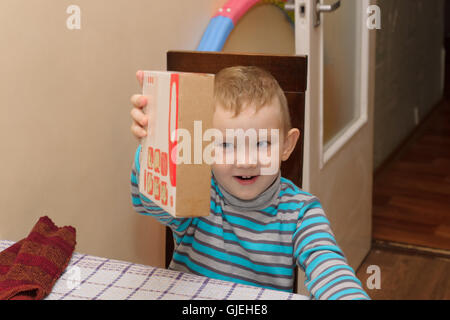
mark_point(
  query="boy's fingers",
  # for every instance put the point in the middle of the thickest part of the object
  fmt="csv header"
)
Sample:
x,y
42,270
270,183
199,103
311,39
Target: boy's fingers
x,y
140,77
138,100
138,116
137,130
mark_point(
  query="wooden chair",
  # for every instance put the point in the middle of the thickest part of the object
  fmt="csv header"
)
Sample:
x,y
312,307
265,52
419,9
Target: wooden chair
x,y
291,74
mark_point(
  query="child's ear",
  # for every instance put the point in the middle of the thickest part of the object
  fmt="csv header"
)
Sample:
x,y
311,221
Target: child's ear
x,y
290,141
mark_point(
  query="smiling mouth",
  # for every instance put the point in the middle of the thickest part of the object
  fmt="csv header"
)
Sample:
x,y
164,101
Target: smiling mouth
x,y
245,180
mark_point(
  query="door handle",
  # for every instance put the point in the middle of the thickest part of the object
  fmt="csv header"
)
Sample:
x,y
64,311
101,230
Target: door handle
x,y
324,8
328,7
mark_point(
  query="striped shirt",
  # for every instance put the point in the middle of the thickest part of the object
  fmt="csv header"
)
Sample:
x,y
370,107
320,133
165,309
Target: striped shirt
x,y
259,242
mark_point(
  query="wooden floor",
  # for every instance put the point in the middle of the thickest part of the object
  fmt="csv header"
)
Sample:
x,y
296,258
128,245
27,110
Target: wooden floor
x,y
411,214
411,217
411,198
406,273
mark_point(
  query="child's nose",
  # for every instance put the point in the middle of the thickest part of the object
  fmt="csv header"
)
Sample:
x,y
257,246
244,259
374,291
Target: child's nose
x,y
247,159
246,165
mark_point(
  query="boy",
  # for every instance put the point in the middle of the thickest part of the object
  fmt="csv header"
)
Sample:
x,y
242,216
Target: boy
x,y
260,225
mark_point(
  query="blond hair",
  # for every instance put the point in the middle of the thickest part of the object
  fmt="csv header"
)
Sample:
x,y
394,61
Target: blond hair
x,y
236,87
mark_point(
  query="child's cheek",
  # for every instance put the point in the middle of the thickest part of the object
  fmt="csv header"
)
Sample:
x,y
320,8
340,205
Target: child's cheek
x,y
269,155
219,170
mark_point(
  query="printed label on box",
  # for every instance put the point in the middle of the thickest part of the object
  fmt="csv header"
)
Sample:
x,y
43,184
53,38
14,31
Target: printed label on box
x,y
159,176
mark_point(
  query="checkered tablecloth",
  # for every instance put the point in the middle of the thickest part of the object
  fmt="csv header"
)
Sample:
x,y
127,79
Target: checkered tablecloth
x,y
89,278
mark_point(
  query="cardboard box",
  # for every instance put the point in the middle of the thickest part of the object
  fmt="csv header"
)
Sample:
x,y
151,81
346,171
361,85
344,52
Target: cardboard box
x,y
176,100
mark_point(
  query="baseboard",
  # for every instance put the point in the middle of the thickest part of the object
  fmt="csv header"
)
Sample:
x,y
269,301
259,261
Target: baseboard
x,y
411,249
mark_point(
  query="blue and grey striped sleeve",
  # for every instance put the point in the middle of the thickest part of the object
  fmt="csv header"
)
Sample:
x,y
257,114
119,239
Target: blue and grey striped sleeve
x,y
328,276
145,206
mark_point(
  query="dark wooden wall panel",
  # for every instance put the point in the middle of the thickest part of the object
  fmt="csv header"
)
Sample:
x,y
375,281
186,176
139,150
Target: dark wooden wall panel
x,y
290,71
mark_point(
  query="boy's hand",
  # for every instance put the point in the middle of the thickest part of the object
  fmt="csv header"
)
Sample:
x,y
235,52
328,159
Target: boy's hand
x,y
140,119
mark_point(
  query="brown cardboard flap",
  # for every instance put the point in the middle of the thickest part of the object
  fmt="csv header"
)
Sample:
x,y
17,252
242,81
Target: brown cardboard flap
x,y
194,180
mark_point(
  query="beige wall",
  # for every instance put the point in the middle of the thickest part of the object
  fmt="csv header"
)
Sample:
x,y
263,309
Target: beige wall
x,y
264,29
66,148
409,69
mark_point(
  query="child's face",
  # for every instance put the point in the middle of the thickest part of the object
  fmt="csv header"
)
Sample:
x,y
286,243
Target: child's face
x,y
230,174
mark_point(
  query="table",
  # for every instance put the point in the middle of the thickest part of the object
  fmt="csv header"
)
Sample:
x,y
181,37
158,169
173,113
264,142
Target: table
x,y
90,278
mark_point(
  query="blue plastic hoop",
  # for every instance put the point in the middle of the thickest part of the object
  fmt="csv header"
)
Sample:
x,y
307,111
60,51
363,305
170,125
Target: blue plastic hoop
x,y
220,25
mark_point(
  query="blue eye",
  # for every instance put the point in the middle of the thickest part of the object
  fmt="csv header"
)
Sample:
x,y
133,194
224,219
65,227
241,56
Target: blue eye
x,y
263,144
227,145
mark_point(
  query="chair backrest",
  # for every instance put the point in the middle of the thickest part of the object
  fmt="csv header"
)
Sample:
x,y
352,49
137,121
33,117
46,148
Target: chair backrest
x,y
291,74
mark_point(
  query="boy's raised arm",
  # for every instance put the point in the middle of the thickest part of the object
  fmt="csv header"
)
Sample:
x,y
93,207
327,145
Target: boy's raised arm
x,y
145,206
140,203
328,276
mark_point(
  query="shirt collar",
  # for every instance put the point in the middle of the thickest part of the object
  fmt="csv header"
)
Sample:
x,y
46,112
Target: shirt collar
x,y
265,199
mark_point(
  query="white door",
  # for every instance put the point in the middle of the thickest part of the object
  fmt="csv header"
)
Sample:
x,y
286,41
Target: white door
x,y
339,117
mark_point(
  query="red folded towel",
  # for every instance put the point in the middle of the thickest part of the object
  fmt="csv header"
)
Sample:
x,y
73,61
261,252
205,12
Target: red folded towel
x,y
30,267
